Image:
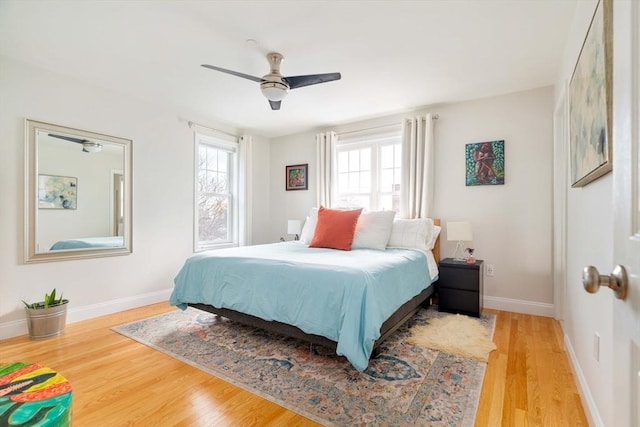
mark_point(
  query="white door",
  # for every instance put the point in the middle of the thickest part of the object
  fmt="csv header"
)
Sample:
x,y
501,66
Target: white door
x,y
626,188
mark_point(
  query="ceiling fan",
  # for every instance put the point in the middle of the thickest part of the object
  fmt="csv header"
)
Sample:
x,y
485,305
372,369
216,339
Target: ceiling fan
x,y
275,86
87,145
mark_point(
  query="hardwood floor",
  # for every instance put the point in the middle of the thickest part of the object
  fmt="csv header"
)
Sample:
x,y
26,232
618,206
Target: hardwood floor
x,y
118,382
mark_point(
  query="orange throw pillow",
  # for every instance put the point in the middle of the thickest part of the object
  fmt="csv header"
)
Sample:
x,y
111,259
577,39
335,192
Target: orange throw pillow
x,y
335,228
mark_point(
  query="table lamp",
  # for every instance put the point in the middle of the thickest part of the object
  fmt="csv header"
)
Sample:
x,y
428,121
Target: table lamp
x,y
460,231
293,227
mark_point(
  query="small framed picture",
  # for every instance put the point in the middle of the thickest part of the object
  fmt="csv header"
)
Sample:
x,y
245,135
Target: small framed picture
x,y
296,177
57,192
485,163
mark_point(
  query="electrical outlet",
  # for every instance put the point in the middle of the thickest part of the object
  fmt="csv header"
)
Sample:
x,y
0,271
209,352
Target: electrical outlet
x,y
490,270
596,346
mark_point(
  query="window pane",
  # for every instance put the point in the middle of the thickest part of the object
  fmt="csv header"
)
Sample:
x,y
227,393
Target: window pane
x,y
202,157
221,184
390,202
343,183
354,182
365,159
212,159
386,154
354,160
360,202
397,155
365,182
202,180
354,201
396,179
223,161
386,180
213,219
343,161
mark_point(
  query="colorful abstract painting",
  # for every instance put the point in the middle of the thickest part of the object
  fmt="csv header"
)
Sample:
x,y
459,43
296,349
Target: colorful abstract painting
x,y
57,192
296,176
485,163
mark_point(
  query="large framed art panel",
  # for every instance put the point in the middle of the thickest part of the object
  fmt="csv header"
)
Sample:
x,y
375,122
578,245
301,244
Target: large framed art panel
x,y
590,102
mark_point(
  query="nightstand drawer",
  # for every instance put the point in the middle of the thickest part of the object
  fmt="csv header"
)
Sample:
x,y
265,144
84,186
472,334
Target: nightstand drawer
x,y
457,301
459,278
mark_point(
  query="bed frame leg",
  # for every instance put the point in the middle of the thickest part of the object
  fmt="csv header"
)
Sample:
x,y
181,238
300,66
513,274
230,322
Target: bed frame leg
x,y
375,352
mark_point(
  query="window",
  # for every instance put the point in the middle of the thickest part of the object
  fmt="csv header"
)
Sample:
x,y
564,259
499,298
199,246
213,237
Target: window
x,y
369,173
216,198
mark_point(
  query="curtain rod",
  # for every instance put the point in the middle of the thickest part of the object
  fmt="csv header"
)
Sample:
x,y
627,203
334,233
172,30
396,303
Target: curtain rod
x,y
371,128
433,117
192,124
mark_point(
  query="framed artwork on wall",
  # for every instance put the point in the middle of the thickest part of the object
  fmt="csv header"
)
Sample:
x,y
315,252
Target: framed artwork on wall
x,y
296,177
485,163
590,144
57,192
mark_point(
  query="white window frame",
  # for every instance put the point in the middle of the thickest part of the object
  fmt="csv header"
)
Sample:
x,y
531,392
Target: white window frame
x,y
233,220
375,142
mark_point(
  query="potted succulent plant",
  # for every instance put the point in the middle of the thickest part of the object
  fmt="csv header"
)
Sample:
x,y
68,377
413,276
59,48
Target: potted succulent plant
x,y
46,318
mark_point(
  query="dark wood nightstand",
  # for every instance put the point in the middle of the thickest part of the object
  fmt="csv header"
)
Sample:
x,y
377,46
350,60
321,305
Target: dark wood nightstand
x,y
460,286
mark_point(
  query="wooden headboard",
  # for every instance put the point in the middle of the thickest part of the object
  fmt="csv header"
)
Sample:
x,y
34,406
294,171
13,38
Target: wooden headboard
x,y
436,247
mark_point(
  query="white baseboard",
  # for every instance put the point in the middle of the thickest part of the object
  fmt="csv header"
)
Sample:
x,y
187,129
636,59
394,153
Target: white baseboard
x,y
19,327
520,306
591,410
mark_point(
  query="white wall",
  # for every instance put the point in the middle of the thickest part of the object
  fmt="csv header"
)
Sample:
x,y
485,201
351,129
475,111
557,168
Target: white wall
x,y
162,194
511,223
261,191
589,242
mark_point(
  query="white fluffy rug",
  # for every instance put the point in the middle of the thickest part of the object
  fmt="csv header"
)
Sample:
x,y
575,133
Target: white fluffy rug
x,y
455,334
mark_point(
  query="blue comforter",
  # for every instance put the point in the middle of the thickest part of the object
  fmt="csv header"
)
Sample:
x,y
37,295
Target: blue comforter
x,y
344,296
89,242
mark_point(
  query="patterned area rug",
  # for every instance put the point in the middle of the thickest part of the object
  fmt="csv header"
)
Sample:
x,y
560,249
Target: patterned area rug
x,y
404,385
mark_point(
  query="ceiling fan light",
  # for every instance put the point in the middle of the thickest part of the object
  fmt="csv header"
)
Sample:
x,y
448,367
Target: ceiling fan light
x,y
274,91
91,147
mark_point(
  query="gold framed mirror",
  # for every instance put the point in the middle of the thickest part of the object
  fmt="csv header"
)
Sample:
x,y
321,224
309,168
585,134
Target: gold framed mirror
x,y
78,193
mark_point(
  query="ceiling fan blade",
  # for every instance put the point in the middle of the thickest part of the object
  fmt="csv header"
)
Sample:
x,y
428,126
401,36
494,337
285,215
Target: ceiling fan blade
x,y
233,73
68,138
312,79
275,105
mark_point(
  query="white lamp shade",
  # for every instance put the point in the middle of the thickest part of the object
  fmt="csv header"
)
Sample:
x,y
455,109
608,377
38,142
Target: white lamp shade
x,y
294,226
91,147
274,91
459,230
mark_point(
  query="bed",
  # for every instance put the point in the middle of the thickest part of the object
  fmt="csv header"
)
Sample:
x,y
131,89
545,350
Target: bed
x,y
349,301
89,242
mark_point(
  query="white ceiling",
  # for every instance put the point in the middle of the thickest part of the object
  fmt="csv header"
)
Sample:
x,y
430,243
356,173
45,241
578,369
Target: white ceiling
x,y
393,55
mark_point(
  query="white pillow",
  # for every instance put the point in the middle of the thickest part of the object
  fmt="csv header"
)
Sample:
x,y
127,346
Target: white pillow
x,y
434,237
309,227
413,234
373,230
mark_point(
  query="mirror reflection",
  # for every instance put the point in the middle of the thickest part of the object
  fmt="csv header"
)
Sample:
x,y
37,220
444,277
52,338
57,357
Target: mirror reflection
x,y
78,187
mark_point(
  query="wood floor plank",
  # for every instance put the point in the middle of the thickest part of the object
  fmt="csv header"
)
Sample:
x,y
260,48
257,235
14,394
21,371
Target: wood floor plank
x,y
119,382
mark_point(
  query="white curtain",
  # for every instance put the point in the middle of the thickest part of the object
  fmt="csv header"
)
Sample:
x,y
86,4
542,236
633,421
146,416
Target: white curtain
x,y
417,186
245,176
326,169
